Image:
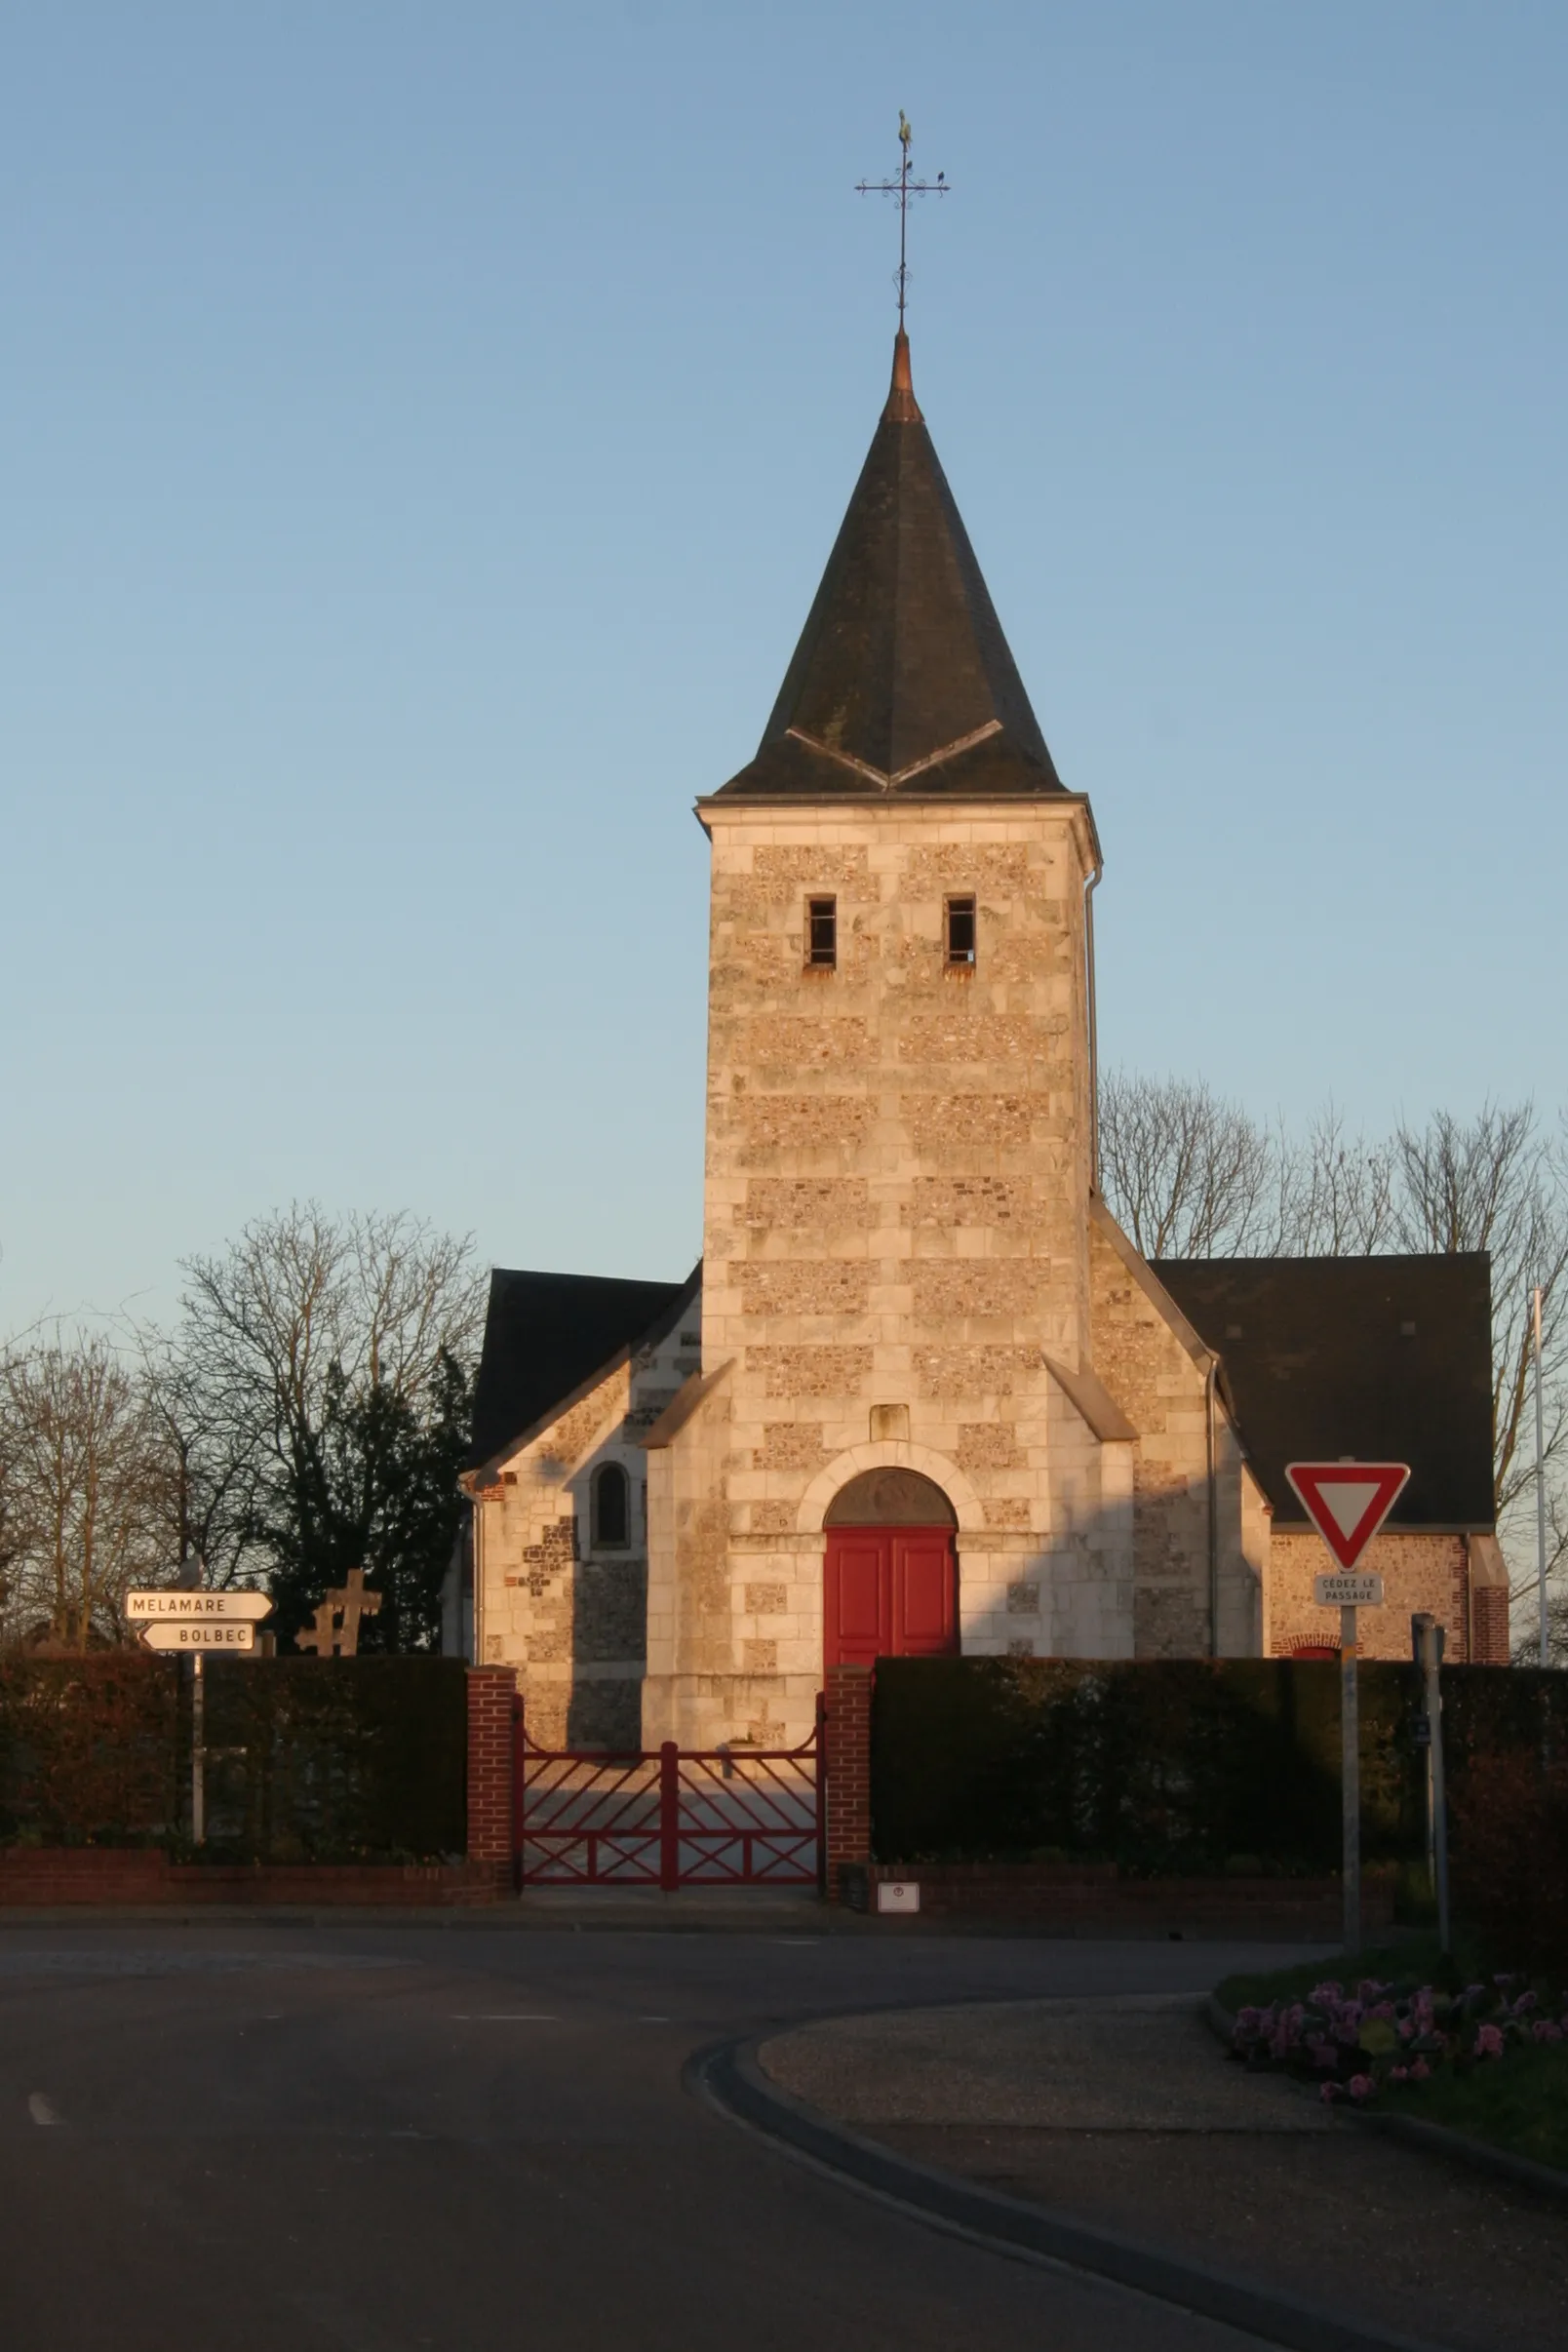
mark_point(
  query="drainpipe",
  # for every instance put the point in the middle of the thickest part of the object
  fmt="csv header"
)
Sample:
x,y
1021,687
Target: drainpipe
x,y
1211,1437
1089,889
479,1579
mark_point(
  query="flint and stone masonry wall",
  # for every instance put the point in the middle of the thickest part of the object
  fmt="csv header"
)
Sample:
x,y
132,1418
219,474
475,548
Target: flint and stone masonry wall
x,y
571,1618
1460,1580
1158,1367
895,1239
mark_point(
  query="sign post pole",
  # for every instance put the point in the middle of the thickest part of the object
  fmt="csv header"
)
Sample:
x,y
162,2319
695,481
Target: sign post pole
x,y
1348,1502
1350,1780
198,1753
1428,1642
1439,1801
181,1618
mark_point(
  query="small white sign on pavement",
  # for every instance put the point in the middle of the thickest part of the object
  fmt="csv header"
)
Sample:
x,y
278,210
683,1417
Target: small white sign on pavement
x,y
236,1633
1362,1592
898,1895
178,1607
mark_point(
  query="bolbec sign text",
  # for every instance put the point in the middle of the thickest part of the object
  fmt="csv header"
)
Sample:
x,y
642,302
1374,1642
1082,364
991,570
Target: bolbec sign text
x,y
234,1635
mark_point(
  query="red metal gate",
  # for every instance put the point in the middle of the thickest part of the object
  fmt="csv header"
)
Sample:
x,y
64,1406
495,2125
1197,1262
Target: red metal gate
x,y
669,1817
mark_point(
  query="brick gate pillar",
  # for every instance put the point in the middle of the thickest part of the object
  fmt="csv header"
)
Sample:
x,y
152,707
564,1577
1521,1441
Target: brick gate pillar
x,y
491,1705
846,1734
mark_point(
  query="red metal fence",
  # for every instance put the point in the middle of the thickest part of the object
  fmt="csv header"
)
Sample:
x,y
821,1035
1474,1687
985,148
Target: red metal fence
x,y
669,1817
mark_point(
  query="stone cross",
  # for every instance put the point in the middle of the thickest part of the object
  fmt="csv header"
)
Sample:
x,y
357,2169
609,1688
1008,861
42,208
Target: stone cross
x,y
350,1602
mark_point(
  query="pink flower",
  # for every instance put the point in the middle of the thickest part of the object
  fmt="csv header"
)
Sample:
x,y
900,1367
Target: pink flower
x,y
1398,2074
1360,2085
1328,2093
1420,2071
1544,2030
1488,2041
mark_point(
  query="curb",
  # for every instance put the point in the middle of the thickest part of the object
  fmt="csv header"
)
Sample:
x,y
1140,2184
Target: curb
x,y
503,1918
731,2080
1432,2140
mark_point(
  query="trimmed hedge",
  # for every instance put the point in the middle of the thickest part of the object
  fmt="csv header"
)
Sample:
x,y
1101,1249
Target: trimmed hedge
x,y
310,1760
336,1759
90,1749
1173,1765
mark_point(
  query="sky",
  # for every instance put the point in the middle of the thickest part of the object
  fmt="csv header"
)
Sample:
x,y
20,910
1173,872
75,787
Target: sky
x,y
424,428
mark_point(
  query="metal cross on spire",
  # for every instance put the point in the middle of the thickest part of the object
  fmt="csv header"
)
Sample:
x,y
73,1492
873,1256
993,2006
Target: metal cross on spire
x,y
903,187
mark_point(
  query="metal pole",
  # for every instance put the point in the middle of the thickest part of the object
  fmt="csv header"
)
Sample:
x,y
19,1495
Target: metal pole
x,y
669,1817
198,1754
1351,1781
1213,1506
1541,1487
1418,1650
1439,1805
820,1759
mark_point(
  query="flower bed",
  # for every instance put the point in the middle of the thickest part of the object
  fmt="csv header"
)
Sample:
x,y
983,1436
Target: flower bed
x,y
1354,2043
1487,2058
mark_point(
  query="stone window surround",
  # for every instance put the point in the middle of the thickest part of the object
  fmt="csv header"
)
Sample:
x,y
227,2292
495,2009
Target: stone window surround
x,y
577,1488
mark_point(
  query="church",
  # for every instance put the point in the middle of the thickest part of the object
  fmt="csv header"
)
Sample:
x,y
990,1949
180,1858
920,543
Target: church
x,y
922,1394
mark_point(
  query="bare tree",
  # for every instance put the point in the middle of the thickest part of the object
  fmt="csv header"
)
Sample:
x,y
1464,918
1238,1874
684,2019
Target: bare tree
x,y
313,1360
1189,1175
83,1479
1337,1192
1497,1183
212,1465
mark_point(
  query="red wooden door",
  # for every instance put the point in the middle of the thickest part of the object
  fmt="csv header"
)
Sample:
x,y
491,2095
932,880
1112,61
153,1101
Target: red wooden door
x,y
889,1592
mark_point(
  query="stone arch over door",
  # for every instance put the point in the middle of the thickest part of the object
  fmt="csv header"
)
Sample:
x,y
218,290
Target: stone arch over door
x,y
889,1453
889,1569
893,1496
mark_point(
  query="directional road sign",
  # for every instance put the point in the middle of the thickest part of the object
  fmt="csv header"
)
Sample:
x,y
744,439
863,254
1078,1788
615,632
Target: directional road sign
x,y
1348,1502
1360,1590
252,1607
214,1633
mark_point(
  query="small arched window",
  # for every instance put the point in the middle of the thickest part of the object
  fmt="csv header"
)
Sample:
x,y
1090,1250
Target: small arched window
x,y
612,1507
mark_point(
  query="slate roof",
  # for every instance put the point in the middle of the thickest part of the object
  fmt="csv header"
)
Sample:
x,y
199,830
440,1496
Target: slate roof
x,y
902,679
547,1334
1386,1358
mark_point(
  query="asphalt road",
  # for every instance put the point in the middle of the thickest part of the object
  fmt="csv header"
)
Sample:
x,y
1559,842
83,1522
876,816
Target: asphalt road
x,y
238,2138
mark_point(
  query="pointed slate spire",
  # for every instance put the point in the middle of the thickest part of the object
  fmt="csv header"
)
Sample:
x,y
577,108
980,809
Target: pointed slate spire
x,y
902,679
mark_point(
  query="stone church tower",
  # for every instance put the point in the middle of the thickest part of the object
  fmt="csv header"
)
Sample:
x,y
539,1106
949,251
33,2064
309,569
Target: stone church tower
x,y
922,1394
896,1261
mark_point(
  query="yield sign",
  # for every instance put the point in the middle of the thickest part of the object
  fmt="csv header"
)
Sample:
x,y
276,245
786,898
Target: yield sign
x,y
1348,1502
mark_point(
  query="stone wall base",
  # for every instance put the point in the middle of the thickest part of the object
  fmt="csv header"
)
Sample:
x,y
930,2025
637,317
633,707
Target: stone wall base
x,y
44,1877
1092,1898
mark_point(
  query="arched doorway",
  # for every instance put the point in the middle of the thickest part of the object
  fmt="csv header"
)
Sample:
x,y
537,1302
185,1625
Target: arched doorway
x,y
891,1573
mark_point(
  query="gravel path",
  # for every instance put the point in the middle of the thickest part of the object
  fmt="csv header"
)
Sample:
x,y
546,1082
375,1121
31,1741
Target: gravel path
x,y
1125,2115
